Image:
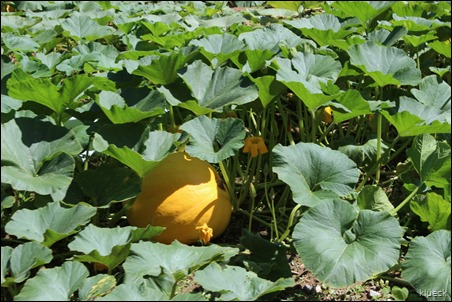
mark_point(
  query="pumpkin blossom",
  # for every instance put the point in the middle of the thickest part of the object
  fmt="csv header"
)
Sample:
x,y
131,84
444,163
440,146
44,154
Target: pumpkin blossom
x,y
205,233
328,114
255,145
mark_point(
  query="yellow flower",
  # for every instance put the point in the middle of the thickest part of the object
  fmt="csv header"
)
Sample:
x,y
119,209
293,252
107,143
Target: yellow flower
x,y
328,114
255,145
205,233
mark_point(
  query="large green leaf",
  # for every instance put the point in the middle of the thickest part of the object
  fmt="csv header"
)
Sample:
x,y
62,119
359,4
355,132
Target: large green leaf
x,y
108,184
219,48
314,173
365,11
271,38
84,27
109,246
54,284
96,286
49,224
374,198
17,262
431,159
432,101
214,89
160,266
25,87
96,55
351,105
132,292
311,71
441,47
134,145
161,69
322,28
342,245
427,266
35,155
252,60
409,124
269,89
386,65
432,208
214,139
234,283
119,112
267,259
19,43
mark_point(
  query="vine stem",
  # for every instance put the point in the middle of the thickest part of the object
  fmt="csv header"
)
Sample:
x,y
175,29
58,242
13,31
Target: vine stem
x,y
382,158
379,122
406,200
289,223
229,186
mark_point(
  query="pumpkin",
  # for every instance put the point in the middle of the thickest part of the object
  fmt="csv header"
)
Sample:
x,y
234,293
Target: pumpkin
x,y
184,195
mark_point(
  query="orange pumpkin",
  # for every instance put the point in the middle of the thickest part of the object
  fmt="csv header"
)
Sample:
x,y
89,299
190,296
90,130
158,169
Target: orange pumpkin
x,y
184,195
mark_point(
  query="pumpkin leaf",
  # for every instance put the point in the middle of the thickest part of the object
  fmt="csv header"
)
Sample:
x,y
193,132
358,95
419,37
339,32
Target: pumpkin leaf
x,y
432,208
108,184
218,88
214,139
96,286
81,27
431,159
311,71
161,69
322,28
236,283
25,87
49,224
134,145
270,38
427,265
314,173
385,64
342,245
374,198
17,262
119,112
219,48
109,246
132,292
54,284
35,155
159,265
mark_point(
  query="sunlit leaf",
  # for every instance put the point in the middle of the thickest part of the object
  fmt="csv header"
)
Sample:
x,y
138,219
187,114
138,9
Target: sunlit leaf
x,y
314,174
385,64
49,224
235,283
214,139
427,265
54,284
17,262
342,245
